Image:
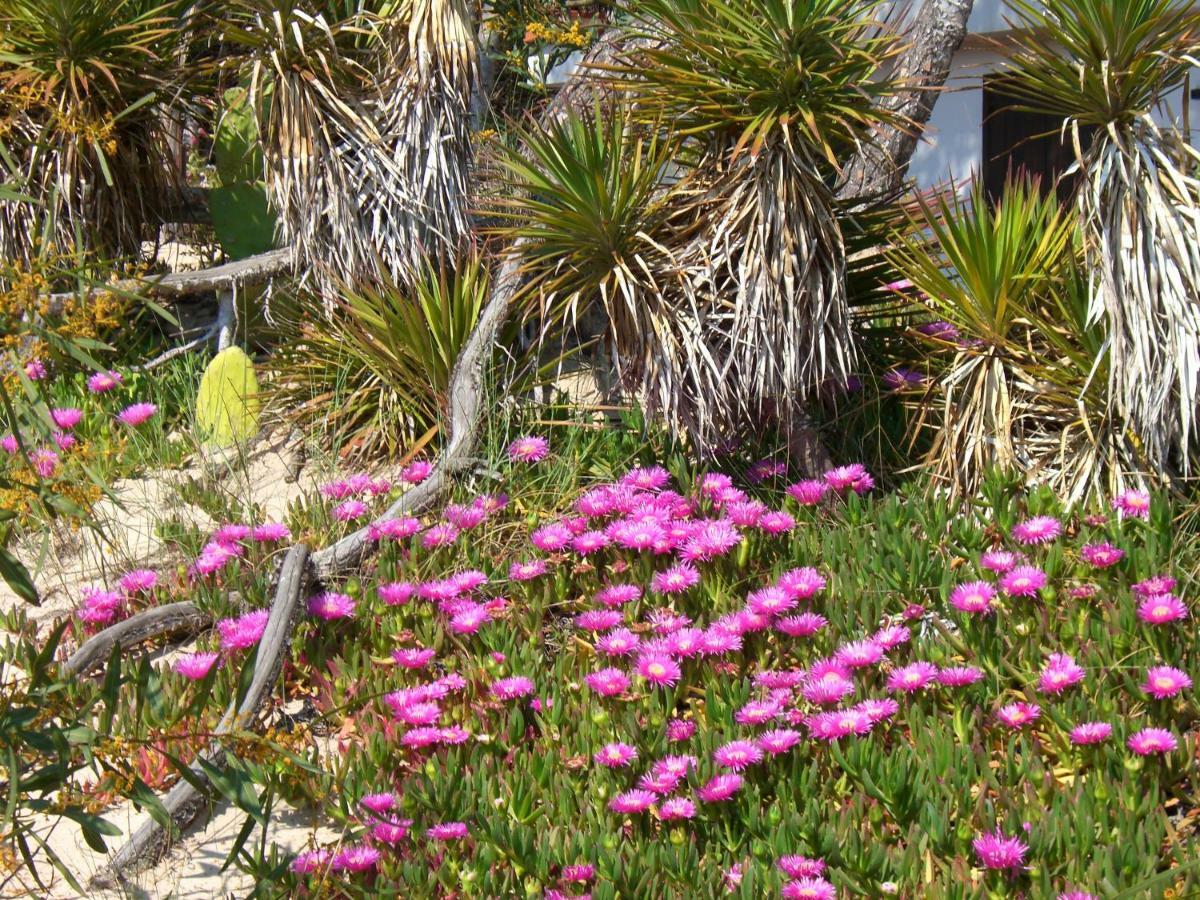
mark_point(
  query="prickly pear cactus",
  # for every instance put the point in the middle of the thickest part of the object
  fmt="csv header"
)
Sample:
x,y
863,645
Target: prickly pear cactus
x,y
241,215
227,406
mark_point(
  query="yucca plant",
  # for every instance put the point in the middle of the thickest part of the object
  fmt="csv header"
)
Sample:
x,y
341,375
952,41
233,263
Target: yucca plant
x,y
88,89
980,267
363,108
1105,67
771,96
375,374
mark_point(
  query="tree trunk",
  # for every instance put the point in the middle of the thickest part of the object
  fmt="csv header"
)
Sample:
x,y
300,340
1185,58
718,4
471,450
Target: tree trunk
x,y
937,32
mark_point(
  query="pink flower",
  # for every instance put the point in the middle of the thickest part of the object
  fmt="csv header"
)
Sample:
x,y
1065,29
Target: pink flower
x,y
607,682
758,712
416,471
615,755
808,889
796,866
1060,673
676,579
854,477
878,710
349,510
379,803
995,851
737,755
441,535
464,517
45,461
830,726
652,478
64,441
1165,681
912,677
8,443
1155,585
470,619
447,831
269,532
618,594
512,688
390,833
634,801
803,625
1162,608
528,449
859,654
101,382
195,665
1023,581
776,522
581,873
396,529
1101,555
809,492
35,370
413,657
1076,895
1037,530
998,561
720,787
66,418
959,676
1152,740
1090,733
1017,715
619,642
355,859
527,571
778,741
676,808
396,593
658,669
138,581
1132,504
973,597
680,730
312,861
552,537
244,631
711,539
136,413
589,542
598,620
828,689
331,606
801,584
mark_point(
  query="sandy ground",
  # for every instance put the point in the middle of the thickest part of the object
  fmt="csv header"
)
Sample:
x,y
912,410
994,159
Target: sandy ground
x,y
192,869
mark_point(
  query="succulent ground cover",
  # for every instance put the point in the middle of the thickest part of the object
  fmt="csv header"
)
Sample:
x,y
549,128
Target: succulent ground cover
x,y
605,670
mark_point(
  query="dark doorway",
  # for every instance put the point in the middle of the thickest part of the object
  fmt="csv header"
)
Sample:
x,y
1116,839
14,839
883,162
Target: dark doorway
x,y
1022,143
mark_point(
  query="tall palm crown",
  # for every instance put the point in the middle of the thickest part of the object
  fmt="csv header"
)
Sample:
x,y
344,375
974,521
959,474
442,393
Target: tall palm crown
x,y
87,88
1105,67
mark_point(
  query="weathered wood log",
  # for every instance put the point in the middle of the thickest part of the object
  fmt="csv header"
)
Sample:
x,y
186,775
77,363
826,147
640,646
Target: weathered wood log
x,y
171,620
225,277
466,408
184,802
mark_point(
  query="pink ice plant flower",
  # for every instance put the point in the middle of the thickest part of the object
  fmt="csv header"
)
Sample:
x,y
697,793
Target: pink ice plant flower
x,y
1037,530
102,382
527,570
608,682
1165,681
447,831
1101,556
808,889
512,688
658,669
66,418
675,580
270,533
35,370
136,414
1161,609
1087,733
355,858
138,581
973,597
998,851
195,666
1060,672
615,755
809,492
737,755
634,801
913,677
720,788
1023,581
999,561
1132,504
1152,740
413,657
796,866
349,510
528,449
244,631
311,862
396,593
416,471
331,605
959,676
1018,715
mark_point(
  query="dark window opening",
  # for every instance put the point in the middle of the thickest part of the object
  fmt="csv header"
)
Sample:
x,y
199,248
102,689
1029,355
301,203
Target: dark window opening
x,y
1023,143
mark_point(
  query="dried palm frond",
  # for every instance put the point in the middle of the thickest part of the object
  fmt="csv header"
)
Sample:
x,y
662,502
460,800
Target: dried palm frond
x,y
88,89
1105,67
987,266
366,130
773,94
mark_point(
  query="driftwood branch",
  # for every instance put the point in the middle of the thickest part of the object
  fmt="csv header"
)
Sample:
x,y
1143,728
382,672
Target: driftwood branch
x,y
184,802
466,409
172,620
225,277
